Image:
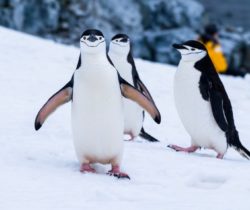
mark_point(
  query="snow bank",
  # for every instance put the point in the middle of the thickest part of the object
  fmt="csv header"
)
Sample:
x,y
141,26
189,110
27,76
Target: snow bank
x,y
39,170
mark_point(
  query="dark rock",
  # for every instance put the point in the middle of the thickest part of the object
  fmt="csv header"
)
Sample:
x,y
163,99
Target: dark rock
x,y
153,25
4,3
6,17
159,14
33,16
246,58
233,47
161,44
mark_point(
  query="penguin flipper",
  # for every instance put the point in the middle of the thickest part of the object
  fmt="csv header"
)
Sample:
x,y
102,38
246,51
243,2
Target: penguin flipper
x,y
137,81
130,92
217,105
61,97
144,89
209,93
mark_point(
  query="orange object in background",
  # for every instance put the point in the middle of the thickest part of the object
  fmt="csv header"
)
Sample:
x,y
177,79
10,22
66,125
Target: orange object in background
x,y
217,56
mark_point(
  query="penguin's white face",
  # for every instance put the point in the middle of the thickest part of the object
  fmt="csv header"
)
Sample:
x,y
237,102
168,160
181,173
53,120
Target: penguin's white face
x,y
92,41
120,44
192,51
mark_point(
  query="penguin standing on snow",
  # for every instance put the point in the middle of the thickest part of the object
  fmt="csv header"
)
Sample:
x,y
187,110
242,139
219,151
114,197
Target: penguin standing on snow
x,y
120,53
203,104
96,91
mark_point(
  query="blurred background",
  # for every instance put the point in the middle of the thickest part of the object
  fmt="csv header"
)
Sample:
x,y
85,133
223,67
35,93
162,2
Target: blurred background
x,y
153,25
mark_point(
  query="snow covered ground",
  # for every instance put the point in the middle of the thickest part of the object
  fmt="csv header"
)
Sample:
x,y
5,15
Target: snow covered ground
x,y
39,170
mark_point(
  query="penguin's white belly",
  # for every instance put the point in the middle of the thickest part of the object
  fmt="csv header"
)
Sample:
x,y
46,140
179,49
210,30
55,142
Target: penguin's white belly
x,y
196,113
133,117
97,116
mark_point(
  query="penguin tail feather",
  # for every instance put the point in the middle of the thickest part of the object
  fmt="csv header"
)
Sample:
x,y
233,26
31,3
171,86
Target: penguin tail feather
x,y
234,141
147,136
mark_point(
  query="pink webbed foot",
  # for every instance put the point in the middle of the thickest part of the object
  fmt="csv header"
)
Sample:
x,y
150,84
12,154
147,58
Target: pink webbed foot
x,y
182,149
115,171
220,156
85,167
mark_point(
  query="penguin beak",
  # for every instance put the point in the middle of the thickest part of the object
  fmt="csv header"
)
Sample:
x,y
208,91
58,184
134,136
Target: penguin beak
x,y
92,38
179,47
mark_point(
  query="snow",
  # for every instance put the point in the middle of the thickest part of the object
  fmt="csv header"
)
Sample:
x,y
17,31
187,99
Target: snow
x,y
39,170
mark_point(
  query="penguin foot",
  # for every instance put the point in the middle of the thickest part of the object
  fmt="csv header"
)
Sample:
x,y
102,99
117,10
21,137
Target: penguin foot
x,y
115,171
220,156
85,167
182,149
132,137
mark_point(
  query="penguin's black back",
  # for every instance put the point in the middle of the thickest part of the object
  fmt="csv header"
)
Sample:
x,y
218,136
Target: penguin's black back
x,y
130,60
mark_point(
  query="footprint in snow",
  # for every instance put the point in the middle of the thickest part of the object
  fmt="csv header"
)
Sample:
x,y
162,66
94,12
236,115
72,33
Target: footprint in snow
x,y
203,181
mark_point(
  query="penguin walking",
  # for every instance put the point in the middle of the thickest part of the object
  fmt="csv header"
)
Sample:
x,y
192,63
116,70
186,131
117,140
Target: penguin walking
x,y
96,91
203,104
120,52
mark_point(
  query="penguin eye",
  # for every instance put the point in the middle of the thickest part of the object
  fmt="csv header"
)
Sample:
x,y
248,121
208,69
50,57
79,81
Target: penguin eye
x,y
192,49
116,40
84,37
100,38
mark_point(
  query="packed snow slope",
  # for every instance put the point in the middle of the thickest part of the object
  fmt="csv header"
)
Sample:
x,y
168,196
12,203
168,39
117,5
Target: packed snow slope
x,y
39,170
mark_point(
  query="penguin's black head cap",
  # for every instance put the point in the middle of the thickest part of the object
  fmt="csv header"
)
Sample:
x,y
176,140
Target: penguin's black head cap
x,y
92,38
93,32
92,35
195,44
120,38
190,43
191,50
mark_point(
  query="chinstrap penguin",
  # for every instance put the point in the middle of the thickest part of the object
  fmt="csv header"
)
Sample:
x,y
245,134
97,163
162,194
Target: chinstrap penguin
x,y
96,91
120,52
203,104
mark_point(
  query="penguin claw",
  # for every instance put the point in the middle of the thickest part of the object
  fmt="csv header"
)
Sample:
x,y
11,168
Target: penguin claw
x,y
182,149
172,147
115,171
119,175
122,176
